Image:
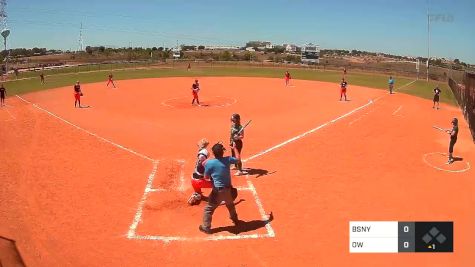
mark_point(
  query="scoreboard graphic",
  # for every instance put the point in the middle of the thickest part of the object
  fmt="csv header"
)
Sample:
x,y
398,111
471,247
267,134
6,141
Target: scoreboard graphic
x,y
396,237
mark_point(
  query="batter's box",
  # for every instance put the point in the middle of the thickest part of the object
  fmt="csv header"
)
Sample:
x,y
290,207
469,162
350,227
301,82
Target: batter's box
x,y
164,215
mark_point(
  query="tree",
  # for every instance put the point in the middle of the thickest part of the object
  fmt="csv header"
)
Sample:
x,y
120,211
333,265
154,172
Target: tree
x,y
201,47
89,50
247,55
456,61
226,56
102,49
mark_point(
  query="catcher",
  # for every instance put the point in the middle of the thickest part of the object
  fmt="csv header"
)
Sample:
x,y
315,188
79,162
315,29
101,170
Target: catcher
x,y
198,180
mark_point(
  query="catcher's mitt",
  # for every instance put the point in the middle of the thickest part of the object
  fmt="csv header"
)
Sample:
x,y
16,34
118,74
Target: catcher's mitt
x,y
194,199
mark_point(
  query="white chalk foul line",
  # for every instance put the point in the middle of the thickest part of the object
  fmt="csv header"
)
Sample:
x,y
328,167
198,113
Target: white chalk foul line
x,y
264,217
308,132
86,131
11,115
181,187
138,214
167,239
397,110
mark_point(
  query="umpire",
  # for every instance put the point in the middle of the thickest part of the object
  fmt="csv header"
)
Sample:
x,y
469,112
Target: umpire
x,y
218,169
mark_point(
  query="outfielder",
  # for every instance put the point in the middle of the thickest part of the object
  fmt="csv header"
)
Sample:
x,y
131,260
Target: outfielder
x,y
110,80
77,94
287,78
343,85
195,88
437,92
3,93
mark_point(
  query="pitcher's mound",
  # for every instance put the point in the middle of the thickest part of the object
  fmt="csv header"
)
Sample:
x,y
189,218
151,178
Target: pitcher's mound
x,y
205,101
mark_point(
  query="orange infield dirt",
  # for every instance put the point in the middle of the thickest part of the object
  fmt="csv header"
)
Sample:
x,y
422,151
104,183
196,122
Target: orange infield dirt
x,y
74,180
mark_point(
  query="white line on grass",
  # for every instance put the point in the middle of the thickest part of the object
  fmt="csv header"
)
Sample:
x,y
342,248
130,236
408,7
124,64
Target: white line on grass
x,y
138,214
407,84
86,131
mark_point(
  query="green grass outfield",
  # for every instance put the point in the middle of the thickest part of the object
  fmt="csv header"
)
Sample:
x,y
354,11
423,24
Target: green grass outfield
x,y
419,88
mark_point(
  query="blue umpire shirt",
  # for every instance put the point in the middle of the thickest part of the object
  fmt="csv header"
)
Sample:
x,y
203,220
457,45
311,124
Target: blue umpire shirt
x,y
219,171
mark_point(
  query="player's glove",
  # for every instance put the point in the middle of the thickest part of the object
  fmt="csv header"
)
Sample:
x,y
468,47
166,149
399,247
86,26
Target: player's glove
x,y
194,199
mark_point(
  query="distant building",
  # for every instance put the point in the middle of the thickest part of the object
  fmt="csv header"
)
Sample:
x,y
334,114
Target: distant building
x,y
311,54
291,48
222,47
268,45
176,53
251,49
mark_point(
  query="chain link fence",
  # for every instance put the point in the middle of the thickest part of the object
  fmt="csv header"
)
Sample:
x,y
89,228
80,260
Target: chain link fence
x,y
464,92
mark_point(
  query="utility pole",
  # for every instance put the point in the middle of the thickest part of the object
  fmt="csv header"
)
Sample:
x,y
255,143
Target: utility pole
x,y
5,31
428,41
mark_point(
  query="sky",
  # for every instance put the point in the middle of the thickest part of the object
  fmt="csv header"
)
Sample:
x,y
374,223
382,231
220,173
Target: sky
x,y
396,27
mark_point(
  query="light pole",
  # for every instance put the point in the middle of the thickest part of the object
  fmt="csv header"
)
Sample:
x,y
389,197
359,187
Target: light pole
x,y
5,32
428,41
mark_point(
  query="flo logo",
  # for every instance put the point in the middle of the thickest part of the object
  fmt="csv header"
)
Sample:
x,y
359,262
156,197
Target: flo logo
x,y
441,18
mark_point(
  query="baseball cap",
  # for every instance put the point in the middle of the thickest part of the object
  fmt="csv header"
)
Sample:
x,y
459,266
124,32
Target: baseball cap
x,y
218,148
